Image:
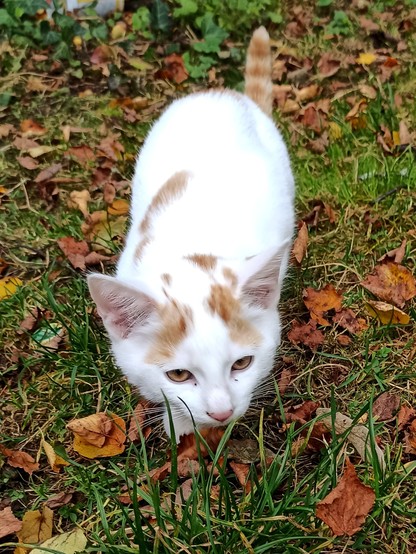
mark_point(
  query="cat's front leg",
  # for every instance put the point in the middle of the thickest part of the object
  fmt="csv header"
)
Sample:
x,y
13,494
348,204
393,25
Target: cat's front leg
x,y
181,424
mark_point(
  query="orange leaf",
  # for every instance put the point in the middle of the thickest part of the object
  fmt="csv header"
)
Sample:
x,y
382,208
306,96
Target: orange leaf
x,y
31,128
306,333
119,207
300,246
392,283
320,301
17,458
55,461
242,473
99,435
345,508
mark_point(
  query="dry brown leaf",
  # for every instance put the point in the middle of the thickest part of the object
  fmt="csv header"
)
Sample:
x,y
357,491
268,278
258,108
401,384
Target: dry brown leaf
x,y
6,129
306,93
79,200
174,69
404,136
48,173
187,447
30,128
321,301
300,245
27,162
36,527
55,461
76,251
405,416
284,381
392,283
17,458
386,406
387,314
327,65
306,333
242,472
396,255
345,508
302,412
187,467
368,91
94,429
343,340
410,438
58,500
348,320
8,522
85,441
358,436
183,492
137,421
83,154
24,144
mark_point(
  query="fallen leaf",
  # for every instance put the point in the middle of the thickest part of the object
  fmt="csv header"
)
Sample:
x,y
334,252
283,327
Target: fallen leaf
x,y
75,251
306,333
343,340
242,472
79,200
300,245
94,429
36,527
321,301
58,500
27,162
335,131
17,458
346,507
306,93
302,412
48,173
8,286
387,314
348,320
183,492
366,58
358,436
6,129
284,380
392,283
386,406
83,154
187,467
24,144
327,65
65,543
8,522
30,128
405,416
55,461
368,91
119,207
89,435
396,255
410,438
187,447
137,421
174,69
40,150
404,137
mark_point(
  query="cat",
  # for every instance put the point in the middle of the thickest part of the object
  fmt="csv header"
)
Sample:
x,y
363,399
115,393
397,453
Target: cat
x,y
192,310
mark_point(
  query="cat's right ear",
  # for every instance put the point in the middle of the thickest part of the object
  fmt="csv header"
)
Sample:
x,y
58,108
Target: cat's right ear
x,y
122,308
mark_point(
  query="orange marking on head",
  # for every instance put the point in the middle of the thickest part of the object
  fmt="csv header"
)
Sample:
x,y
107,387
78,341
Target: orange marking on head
x,y
231,277
222,302
141,247
170,191
175,321
204,261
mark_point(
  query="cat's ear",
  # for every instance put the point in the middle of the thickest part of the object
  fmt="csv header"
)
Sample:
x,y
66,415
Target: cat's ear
x,y
121,307
262,277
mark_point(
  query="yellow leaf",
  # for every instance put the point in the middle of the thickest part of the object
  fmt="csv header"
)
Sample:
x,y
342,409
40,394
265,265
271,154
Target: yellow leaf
x,y
366,58
386,313
139,64
396,138
66,543
79,199
335,131
119,207
8,286
119,30
113,441
36,527
55,461
40,150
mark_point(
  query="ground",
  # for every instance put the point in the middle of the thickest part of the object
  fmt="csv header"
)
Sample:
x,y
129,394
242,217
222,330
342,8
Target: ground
x,y
76,100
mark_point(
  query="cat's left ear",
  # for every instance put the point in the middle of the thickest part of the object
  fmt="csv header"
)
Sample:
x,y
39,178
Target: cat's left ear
x,y
262,277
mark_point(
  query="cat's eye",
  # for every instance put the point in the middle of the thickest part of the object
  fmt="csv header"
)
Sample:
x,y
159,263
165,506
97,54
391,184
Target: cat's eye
x,y
242,363
179,375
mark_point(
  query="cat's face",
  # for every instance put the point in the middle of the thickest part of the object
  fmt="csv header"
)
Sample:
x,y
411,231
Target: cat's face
x,y
210,372
204,345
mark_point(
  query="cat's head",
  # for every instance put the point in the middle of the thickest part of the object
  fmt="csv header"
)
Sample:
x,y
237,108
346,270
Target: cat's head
x,y
203,338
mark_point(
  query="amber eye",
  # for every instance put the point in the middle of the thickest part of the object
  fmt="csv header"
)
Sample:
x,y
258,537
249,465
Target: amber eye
x,y
179,375
242,363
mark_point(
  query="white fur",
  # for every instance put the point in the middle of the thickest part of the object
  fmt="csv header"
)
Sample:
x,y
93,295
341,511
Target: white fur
x,y
238,204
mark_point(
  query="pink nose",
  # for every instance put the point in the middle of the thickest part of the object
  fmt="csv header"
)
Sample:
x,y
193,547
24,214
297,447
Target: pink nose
x,y
221,416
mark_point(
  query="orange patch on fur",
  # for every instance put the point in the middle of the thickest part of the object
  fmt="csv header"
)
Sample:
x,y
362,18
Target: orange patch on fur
x,y
258,79
170,191
222,302
175,322
204,261
231,277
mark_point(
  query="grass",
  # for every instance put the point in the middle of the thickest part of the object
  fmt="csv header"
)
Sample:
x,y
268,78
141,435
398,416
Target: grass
x,y
373,195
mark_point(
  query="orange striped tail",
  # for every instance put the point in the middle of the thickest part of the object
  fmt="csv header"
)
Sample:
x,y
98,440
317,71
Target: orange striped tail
x,y
258,76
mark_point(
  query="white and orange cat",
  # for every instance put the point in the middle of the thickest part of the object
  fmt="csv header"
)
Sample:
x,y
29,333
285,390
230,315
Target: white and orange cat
x,y
192,311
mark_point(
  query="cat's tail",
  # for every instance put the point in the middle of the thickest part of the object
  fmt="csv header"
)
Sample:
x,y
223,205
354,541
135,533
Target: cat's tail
x,y
258,76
